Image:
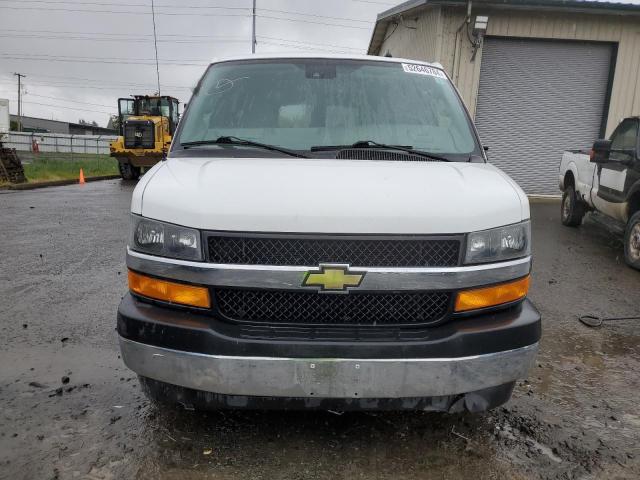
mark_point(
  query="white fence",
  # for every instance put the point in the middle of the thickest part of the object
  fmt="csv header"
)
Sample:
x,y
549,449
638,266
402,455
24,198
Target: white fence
x,y
58,143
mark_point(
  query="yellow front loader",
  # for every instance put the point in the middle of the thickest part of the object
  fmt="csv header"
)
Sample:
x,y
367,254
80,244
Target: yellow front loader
x,y
147,124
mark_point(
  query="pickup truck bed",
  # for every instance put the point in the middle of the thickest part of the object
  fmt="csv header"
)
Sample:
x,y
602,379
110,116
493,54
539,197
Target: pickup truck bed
x,y
606,180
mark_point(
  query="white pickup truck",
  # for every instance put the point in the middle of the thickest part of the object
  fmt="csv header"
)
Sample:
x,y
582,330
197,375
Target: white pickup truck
x,y
606,180
326,233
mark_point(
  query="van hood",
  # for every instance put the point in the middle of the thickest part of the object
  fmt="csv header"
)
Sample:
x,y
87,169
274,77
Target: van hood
x,y
329,196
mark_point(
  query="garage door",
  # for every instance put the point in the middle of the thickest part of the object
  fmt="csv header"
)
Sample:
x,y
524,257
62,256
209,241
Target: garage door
x,y
537,99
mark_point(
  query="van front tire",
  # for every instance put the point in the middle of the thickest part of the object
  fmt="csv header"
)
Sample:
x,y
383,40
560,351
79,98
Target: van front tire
x,y
632,242
572,209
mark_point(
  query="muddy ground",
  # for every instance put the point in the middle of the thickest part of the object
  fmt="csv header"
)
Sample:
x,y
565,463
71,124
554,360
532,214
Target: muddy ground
x,y
70,409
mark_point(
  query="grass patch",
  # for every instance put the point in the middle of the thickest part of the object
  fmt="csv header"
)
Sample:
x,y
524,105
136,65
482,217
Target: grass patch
x,y
48,167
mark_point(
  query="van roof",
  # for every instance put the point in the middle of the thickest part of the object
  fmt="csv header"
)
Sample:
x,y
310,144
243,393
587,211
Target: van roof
x,y
274,56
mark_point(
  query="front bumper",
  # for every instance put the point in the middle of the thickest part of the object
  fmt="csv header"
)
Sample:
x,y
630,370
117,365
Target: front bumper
x,y
327,377
196,352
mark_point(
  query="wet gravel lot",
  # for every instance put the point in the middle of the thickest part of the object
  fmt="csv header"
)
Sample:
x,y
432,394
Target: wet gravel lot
x,y
70,409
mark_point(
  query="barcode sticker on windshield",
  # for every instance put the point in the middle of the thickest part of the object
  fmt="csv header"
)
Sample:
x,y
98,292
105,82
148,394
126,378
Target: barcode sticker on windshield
x,y
423,70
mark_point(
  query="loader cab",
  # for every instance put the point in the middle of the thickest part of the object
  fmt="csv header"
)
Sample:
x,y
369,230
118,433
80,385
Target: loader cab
x,y
147,124
149,106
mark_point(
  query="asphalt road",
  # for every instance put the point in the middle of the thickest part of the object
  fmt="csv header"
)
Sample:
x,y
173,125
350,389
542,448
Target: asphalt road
x,y
69,408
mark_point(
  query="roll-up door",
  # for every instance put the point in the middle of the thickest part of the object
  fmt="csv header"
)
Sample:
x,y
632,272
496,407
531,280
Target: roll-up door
x,y
538,98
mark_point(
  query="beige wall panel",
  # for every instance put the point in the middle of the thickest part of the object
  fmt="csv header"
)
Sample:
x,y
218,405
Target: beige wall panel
x,y
435,40
498,25
626,84
620,83
421,43
447,47
635,84
625,95
519,26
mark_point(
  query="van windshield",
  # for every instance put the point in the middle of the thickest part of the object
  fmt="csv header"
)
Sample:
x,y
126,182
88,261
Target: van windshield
x,y
303,103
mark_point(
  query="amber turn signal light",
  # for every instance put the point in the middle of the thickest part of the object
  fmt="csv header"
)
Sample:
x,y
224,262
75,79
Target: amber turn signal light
x,y
169,291
492,296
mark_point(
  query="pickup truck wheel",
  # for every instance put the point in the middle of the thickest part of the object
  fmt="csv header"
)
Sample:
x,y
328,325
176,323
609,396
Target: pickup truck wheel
x,y
572,209
632,242
128,171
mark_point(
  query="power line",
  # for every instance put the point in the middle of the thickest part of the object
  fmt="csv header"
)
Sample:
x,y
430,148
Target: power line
x,y
96,87
140,62
111,4
93,110
308,49
213,37
129,12
313,15
73,83
197,7
110,82
91,87
70,108
190,14
310,43
77,33
70,101
313,22
99,58
111,34
122,40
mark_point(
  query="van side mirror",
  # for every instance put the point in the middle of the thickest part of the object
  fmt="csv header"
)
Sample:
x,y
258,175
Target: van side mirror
x,y
600,151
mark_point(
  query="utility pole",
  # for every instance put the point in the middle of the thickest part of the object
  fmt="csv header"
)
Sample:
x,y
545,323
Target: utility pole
x,y
155,43
253,29
19,75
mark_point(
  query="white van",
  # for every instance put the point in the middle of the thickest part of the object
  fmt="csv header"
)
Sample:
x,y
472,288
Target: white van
x,y
326,233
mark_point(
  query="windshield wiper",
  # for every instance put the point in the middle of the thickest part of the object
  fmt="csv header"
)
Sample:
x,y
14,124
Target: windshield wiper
x,y
372,144
228,140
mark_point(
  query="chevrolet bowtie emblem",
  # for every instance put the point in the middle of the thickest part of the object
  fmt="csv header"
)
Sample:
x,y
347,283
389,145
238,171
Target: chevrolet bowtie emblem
x,y
333,278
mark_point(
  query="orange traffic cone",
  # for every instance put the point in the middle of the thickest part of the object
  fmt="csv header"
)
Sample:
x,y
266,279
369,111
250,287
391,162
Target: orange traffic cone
x,y
81,182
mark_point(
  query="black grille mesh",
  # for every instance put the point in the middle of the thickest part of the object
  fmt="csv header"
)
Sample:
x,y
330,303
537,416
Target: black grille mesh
x,y
372,154
369,333
311,252
284,307
139,134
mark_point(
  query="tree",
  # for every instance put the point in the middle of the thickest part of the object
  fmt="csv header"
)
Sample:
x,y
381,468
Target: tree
x,y
114,122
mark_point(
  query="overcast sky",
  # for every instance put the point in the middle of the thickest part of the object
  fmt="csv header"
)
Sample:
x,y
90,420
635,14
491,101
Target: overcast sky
x,y
83,55
80,56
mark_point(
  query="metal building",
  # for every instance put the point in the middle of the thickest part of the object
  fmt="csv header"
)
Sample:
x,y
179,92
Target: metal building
x,y
44,125
539,76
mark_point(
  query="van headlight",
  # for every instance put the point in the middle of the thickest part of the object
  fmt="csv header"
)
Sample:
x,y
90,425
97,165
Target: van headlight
x,y
164,239
497,244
